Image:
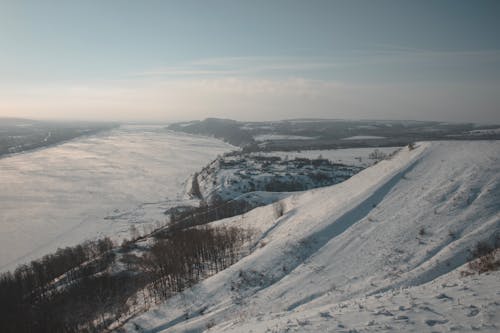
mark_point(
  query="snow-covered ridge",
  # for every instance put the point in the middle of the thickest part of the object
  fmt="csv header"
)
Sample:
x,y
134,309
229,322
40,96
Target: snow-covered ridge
x,y
337,258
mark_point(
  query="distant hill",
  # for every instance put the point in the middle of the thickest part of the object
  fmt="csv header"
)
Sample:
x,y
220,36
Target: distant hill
x,y
225,129
18,135
330,134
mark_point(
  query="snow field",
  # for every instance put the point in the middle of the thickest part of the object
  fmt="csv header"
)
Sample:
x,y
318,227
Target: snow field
x,y
372,253
349,156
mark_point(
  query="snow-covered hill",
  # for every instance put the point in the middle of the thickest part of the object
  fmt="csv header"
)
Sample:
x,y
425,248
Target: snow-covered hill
x,y
229,177
234,174
381,251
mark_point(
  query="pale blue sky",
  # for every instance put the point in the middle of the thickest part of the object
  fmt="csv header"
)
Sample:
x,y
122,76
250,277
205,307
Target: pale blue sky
x,y
170,60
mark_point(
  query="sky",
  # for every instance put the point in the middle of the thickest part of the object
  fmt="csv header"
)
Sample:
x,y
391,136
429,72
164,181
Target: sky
x,y
250,60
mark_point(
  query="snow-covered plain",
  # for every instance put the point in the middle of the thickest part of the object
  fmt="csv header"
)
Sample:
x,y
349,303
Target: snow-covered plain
x,y
364,137
270,137
94,186
382,251
485,131
348,156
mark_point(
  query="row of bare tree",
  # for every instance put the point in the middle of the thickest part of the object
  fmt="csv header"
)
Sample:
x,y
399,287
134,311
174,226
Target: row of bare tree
x,y
217,209
75,289
66,291
187,256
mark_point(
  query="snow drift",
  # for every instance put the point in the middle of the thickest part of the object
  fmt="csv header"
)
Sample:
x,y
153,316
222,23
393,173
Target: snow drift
x,y
382,250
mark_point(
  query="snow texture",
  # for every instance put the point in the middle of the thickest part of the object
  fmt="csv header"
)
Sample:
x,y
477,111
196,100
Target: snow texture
x,y
381,251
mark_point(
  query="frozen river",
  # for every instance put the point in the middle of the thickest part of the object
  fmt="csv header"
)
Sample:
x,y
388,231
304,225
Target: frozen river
x,y
93,187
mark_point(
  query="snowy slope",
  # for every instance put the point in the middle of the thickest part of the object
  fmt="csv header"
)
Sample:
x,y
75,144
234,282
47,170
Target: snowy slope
x,y
380,251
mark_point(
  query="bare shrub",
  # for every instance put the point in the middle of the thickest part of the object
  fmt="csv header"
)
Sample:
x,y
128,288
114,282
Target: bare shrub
x,y
377,155
210,324
485,258
452,234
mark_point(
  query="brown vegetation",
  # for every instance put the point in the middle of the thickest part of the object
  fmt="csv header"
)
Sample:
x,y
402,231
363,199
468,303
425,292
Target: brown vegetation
x,y
486,258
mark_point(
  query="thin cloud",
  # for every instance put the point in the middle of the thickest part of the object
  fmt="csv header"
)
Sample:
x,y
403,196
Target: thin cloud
x,y
310,67
251,99
239,66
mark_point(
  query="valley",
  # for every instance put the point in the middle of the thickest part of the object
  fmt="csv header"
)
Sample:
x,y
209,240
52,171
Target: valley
x,y
244,240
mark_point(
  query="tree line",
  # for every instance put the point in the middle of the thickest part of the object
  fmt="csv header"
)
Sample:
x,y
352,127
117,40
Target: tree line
x,y
67,291
189,255
217,209
79,289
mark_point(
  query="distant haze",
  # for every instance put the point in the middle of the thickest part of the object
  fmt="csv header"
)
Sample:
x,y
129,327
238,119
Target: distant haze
x,y
250,60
